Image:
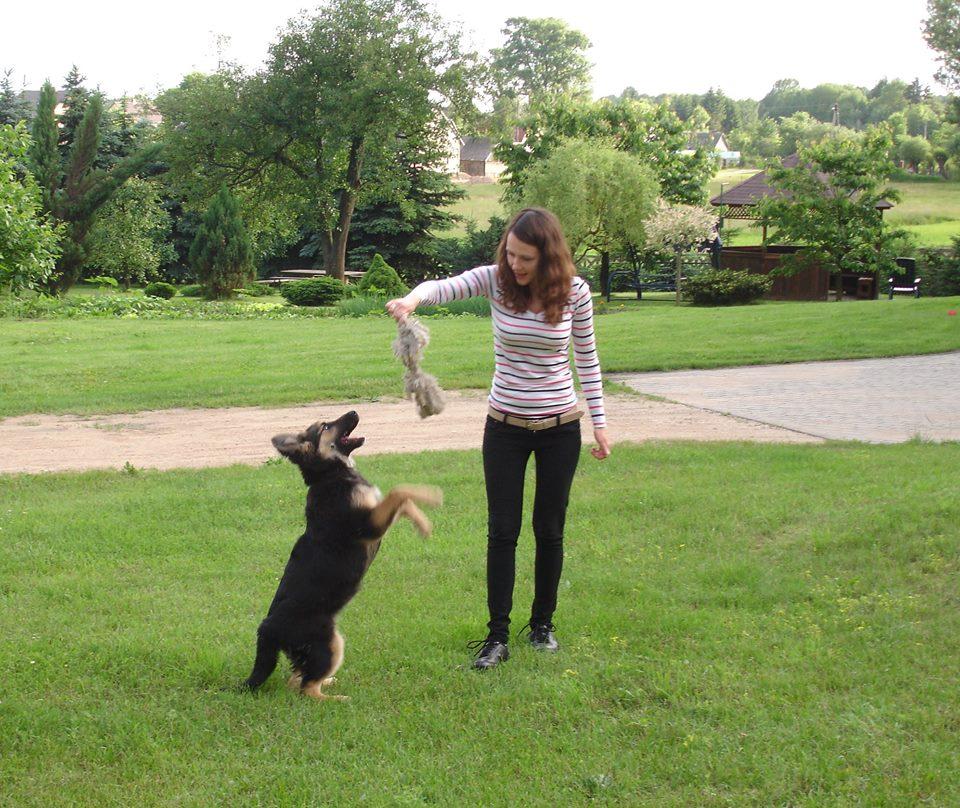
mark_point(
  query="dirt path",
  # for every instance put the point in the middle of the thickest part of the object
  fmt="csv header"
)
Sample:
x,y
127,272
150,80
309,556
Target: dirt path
x,y
166,439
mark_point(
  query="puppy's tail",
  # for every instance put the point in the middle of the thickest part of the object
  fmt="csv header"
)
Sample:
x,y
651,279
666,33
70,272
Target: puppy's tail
x,y
266,661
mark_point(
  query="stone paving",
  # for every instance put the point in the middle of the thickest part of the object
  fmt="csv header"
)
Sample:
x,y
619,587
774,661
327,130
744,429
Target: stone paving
x,y
871,400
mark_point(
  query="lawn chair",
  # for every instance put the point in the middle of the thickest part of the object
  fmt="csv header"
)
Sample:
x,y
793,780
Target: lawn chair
x,y
907,281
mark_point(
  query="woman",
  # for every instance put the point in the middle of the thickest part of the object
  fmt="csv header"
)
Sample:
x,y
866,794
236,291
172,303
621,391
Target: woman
x,y
537,304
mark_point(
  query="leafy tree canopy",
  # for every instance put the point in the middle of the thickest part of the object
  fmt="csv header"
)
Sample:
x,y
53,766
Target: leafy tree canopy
x,y
541,58
829,206
942,32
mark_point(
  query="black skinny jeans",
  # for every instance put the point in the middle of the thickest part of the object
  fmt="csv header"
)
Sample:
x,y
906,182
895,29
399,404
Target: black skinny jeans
x,y
506,450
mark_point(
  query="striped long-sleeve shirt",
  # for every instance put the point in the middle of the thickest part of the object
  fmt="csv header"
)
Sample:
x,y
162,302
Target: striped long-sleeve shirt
x,y
531,376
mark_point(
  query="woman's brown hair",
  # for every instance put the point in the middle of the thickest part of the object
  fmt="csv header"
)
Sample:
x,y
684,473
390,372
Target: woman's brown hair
x,y
555,270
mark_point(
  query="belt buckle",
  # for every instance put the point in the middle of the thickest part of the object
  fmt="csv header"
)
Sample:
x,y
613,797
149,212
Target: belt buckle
x,y
536,424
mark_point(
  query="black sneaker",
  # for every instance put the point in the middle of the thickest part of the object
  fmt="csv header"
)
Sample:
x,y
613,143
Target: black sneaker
x,y
491,653
542,638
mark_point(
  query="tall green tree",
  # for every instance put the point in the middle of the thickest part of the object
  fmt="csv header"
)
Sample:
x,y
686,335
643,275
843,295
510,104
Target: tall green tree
x,y
828,207
13,108
221,254
651,133
75,100
541,58
942,32
130,239
339,88
28,241
74,190
601,195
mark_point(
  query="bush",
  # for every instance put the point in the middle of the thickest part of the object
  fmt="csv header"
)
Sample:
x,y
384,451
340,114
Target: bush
x,y
313,291
160,289
192,290
725,287
381,279
102,282
940,271
256,290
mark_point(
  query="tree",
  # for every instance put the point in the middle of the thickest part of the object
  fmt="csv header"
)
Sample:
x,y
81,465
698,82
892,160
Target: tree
x,y
13,108
541,58
28,241
129,241
915,152
651,133
339,89
829,207
75,100
679,228
602,197
221,254
74,191
942,32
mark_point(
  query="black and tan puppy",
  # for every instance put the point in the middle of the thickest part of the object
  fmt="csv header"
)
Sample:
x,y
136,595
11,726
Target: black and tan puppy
x,y
346,519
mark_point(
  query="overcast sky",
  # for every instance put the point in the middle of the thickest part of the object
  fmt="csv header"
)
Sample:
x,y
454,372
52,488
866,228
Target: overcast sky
x,y
741,46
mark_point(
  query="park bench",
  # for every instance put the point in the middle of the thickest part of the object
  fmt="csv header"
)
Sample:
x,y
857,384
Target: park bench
x,y
907,282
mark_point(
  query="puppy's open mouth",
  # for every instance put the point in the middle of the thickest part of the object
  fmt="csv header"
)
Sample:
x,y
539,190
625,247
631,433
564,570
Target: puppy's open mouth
x,y
346,443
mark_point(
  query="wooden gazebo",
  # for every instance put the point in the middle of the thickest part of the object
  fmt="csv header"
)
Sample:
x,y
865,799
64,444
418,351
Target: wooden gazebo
x,y
740,202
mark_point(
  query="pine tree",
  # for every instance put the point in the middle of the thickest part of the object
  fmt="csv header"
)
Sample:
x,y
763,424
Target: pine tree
x,y
13,108
73,191
75,100
221,253
44,157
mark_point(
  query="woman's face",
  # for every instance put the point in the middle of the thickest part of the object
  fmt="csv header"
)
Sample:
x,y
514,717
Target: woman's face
x,y
523,259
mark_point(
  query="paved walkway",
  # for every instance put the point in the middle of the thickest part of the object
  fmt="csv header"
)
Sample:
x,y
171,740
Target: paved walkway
x,y
872,400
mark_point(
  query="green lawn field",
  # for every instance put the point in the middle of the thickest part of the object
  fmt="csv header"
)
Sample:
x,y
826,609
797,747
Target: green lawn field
x,y
741,625
101,365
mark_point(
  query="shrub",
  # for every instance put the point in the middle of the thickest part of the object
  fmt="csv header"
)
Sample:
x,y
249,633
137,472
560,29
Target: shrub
x,y
313,291
256,290
221,253
160,289
940,271
103,282
192,290
725,287
381,279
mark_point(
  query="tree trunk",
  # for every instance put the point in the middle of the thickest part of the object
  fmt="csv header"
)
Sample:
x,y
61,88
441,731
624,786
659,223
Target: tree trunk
x,y
335,239
604,273
679,271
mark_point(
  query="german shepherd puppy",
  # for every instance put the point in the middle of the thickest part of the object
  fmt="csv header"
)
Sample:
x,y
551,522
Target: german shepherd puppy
x,y
346,519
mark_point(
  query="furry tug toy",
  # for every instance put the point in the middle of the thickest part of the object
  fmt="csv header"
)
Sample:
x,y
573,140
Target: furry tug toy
x,y
412,338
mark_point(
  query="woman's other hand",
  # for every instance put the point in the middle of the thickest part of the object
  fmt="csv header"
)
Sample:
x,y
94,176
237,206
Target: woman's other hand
x,y
602,450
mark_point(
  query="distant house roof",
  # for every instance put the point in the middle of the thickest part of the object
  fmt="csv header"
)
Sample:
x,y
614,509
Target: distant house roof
x,y
476,149
754,190
32,97
704,140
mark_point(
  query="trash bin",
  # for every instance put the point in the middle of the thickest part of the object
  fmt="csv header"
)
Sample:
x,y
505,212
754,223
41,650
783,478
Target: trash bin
x,y
865,289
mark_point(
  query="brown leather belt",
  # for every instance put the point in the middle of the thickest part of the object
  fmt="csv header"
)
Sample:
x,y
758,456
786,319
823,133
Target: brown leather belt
x,y
535,424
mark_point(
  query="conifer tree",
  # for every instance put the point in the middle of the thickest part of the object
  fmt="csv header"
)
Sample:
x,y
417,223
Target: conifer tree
x,y
13,108
75,100
221,253
74,191
44,157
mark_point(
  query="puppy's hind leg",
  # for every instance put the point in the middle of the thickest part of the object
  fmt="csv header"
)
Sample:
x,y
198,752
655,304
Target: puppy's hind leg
x,y
326,656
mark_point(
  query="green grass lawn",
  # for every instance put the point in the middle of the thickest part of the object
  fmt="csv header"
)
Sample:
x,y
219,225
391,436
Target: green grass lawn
x,y
94,365
102,365
481,202
745,625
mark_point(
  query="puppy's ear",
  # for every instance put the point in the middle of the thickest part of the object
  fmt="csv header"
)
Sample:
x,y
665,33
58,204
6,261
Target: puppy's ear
x,y
288,445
